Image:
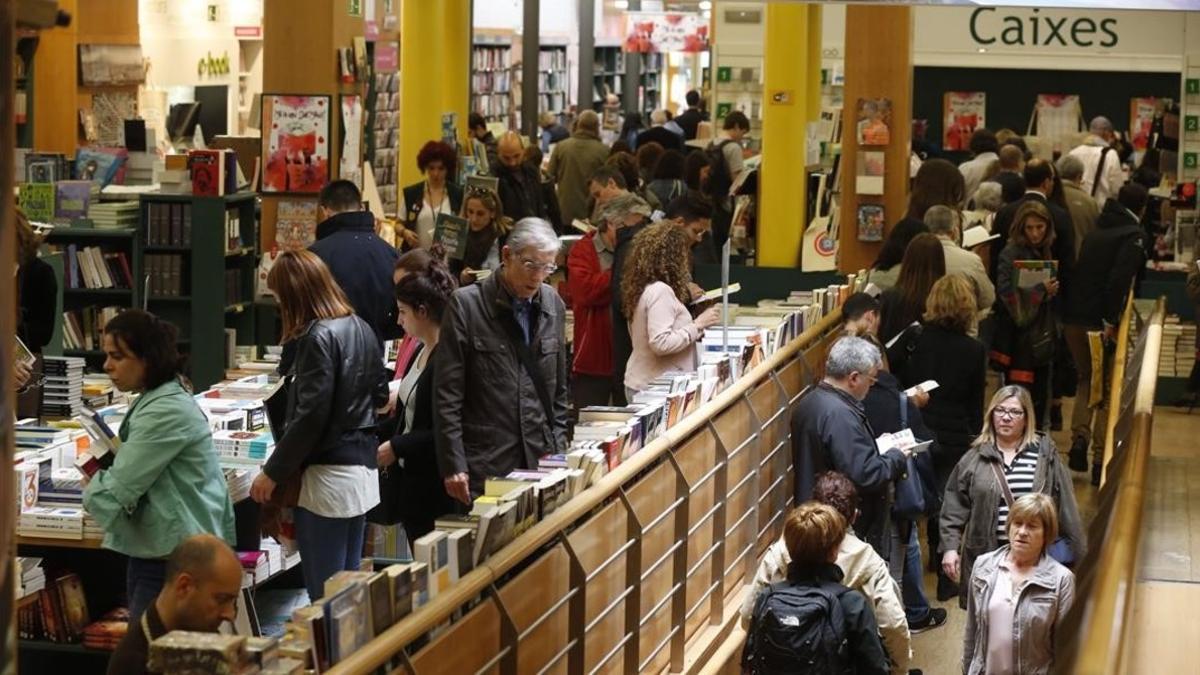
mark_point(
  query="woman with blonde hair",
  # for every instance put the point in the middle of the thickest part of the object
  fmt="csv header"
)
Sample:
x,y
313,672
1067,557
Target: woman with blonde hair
x,y
488,227
1008,460
655,297
328,440
1018,596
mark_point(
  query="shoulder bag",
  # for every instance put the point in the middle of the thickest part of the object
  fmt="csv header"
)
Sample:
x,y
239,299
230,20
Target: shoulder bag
x,y
1060,550
910,491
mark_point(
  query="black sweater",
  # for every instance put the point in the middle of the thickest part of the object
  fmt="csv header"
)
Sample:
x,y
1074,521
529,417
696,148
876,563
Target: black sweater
x,y
957,363
37,291
1110,260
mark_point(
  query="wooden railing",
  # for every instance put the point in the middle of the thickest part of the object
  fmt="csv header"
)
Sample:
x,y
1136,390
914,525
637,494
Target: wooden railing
x,y
635,570
1096,630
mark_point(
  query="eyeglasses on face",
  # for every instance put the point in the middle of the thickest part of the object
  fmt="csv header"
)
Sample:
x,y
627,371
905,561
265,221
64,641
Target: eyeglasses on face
x,y
533,267
1010,413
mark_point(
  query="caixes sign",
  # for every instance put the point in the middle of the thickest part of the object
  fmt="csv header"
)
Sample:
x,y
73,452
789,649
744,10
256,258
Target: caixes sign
x,y
990,26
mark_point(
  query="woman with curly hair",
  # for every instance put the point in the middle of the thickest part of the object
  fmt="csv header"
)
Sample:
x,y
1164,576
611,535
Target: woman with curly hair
x,y
654,296
423,202
487,229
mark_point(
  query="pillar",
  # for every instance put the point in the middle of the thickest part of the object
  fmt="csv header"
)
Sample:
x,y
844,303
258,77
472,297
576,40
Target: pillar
x,y
456,61
422,78
791,99
879,64
530,41
585,80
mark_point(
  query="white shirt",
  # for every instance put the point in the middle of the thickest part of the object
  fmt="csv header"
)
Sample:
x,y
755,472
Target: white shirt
x,y
408,387
973,171
338,491
427,217
1113,178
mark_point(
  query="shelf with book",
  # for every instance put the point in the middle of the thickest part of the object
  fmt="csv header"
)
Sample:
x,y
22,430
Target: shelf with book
x,y
553,78
650,83
201,259
493,79
608,73
86,542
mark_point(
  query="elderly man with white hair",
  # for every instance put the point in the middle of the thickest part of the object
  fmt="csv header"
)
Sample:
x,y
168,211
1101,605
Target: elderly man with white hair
x,y
659,133
942,221
1102,174
500,400
830,432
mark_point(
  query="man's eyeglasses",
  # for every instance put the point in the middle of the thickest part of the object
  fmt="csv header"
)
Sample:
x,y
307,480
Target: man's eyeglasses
x,y
533,267
1010,413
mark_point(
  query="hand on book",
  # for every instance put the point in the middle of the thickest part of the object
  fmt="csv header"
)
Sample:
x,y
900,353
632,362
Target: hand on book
x,y
920,397
1052,287
21,373
709,317
262,488
695,290
384,455
459,487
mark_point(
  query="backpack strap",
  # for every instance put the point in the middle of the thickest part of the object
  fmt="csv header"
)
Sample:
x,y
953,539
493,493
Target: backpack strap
x,y
1100,169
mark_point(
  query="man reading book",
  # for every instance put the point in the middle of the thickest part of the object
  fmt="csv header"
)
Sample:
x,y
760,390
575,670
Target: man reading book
x,y
203,582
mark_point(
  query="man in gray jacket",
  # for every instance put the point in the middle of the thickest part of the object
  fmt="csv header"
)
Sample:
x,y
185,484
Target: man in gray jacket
x,y
573,163
830,432
501,368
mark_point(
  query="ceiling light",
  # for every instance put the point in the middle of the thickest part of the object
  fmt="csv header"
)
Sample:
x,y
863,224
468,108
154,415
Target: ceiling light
x,y
621,4
705,5
982,50
706,14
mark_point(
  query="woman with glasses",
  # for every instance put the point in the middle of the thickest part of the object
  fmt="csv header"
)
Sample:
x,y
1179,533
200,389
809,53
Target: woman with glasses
x,y
654,297
423,202
1026,328
488,228
975,507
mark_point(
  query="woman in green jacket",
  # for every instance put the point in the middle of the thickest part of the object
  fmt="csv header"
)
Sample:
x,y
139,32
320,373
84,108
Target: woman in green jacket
x,y
164,485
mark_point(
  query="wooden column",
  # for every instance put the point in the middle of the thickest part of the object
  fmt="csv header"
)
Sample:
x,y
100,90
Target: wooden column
x,y
55,74
300,43
8,328
879,64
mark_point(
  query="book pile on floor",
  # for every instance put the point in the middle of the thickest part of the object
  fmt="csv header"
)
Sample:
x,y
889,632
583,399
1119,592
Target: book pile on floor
x,y
184,652
62,392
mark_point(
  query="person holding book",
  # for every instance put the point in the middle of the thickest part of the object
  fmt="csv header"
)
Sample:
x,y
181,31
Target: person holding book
x,y
37,290
202,584
327,447
900,307
419,496
488,228
655,291
421,203
976,505
1026,325
164,484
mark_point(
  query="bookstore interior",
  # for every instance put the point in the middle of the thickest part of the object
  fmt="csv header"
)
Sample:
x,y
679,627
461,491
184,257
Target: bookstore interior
x,y
167,154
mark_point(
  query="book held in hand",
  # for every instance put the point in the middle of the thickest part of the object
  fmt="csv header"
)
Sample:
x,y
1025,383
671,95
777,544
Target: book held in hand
x,y
901,440
1030,273
451,232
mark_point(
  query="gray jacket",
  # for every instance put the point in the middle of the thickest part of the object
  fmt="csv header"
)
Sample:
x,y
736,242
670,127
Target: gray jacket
x,y
488,419
970,507
1041,606
572,164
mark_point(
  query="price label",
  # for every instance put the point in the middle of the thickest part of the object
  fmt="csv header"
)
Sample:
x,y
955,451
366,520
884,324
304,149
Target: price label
x,y
725,74
1192,85
1191,123
1191,160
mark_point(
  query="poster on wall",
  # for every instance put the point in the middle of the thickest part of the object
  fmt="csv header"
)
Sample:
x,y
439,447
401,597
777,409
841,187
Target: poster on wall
x,y
669,32
1141,119
874,121
350,166
962,113
295,224
295,143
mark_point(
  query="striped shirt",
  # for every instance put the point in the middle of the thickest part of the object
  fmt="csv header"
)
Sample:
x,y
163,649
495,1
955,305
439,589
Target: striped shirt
x,y
1020,481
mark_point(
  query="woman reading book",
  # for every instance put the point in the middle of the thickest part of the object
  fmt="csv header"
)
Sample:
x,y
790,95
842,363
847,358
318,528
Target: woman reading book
x,y
165,484
487,229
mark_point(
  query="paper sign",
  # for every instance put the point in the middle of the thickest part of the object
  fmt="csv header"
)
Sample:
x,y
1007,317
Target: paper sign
x,y
782,97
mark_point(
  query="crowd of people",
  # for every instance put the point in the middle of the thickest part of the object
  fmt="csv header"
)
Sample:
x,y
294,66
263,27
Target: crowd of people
x,y
485,380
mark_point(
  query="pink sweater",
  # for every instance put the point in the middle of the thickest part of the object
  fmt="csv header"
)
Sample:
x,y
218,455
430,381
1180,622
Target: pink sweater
x,y
664,337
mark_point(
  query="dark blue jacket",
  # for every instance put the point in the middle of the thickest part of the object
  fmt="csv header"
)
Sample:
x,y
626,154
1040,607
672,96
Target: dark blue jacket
x,y
362,264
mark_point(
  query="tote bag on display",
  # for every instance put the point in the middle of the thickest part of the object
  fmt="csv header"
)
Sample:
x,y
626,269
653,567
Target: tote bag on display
x,y
1058,119
818,249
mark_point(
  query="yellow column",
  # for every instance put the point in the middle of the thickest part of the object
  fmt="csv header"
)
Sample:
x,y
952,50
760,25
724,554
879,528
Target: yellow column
x,y
421,82
791,98
456,61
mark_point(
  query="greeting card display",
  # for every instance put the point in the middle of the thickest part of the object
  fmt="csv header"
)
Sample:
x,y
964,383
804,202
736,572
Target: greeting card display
x,y
874,121
295,143
962,113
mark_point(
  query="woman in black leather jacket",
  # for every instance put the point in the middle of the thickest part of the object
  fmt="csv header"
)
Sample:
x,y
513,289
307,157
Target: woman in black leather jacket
x,y
328,442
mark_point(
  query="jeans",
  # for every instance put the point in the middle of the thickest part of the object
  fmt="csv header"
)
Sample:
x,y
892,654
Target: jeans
x,y
327,546
916,606
144,578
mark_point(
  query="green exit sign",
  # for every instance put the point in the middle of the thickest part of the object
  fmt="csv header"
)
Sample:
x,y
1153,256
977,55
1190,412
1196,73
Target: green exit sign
x,y
1191,123
1191,160
725,74
1192,86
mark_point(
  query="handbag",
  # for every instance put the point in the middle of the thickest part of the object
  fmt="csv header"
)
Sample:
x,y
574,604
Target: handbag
x,y
909,503
1042,336
1059,549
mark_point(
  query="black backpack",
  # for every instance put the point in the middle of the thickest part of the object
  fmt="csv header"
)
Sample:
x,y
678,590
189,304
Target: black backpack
x,y
719,177
798,630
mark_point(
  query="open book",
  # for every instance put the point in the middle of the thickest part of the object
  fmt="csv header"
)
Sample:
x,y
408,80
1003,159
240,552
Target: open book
x,y
903,440
926,386
716,293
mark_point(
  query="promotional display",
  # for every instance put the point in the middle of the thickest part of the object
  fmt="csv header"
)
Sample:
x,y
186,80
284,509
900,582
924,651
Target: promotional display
x,y
295,143
963,112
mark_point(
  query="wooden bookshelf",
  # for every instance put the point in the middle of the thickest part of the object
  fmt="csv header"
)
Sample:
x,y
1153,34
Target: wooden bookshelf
x,y
553,78
608,74
49,542
651,83
494,79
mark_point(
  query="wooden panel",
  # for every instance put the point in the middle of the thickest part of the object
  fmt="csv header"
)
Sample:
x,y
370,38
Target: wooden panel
x,y
765,399
878,65
480,628
529,595
654,631
791,376
113,22
735,425
594,542
697,457
55,73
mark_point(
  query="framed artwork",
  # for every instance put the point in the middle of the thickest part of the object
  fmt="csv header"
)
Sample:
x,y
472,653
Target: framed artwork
x,y
874,121
295,138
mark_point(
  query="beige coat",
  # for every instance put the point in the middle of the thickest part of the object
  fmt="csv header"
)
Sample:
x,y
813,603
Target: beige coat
x,y
966,263
864,572
1083,209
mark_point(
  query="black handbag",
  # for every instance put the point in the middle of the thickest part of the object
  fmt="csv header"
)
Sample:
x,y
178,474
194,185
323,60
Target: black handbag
x,y
1041,336
909,503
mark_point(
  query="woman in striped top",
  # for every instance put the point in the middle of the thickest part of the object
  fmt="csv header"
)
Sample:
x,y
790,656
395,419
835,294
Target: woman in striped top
x,y
974,515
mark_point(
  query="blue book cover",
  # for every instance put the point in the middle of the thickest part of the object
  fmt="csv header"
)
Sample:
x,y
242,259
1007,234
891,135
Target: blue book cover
x,y
71,199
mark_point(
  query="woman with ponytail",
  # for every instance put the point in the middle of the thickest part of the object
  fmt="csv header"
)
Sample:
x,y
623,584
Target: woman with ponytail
x,y
417,495
164,484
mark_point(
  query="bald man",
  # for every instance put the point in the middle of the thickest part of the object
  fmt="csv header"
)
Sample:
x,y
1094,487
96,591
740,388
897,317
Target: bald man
x,y
203,582
521,192
1102,174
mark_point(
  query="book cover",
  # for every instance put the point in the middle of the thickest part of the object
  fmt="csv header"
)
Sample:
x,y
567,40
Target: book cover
x,y
419,578
208,173
868,179
870,222
1030,273
451,232
37,201
400,585
295,224
74,606
42,167
347,621
379,592
71,199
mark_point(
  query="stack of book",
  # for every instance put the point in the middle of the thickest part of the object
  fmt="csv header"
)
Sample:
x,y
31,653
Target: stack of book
x,y
60,522
113,215
59,614
64,487
189,652
1178,353
106,632
255,567
243,446
62,392
238,480
58,445
33,576
98,391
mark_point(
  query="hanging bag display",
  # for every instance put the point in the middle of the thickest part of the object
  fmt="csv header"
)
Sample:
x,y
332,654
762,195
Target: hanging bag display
x,y
819,245
1058,121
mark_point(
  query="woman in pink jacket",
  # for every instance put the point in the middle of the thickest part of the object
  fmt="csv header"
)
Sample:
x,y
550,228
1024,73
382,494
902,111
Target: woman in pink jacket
x,y
655,290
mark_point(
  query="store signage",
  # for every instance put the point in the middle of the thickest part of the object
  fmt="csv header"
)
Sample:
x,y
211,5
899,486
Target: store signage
x,y
669,32
1041,30
213,67
1191,123
1190,160
1192,86
724,74
354,8
247,31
